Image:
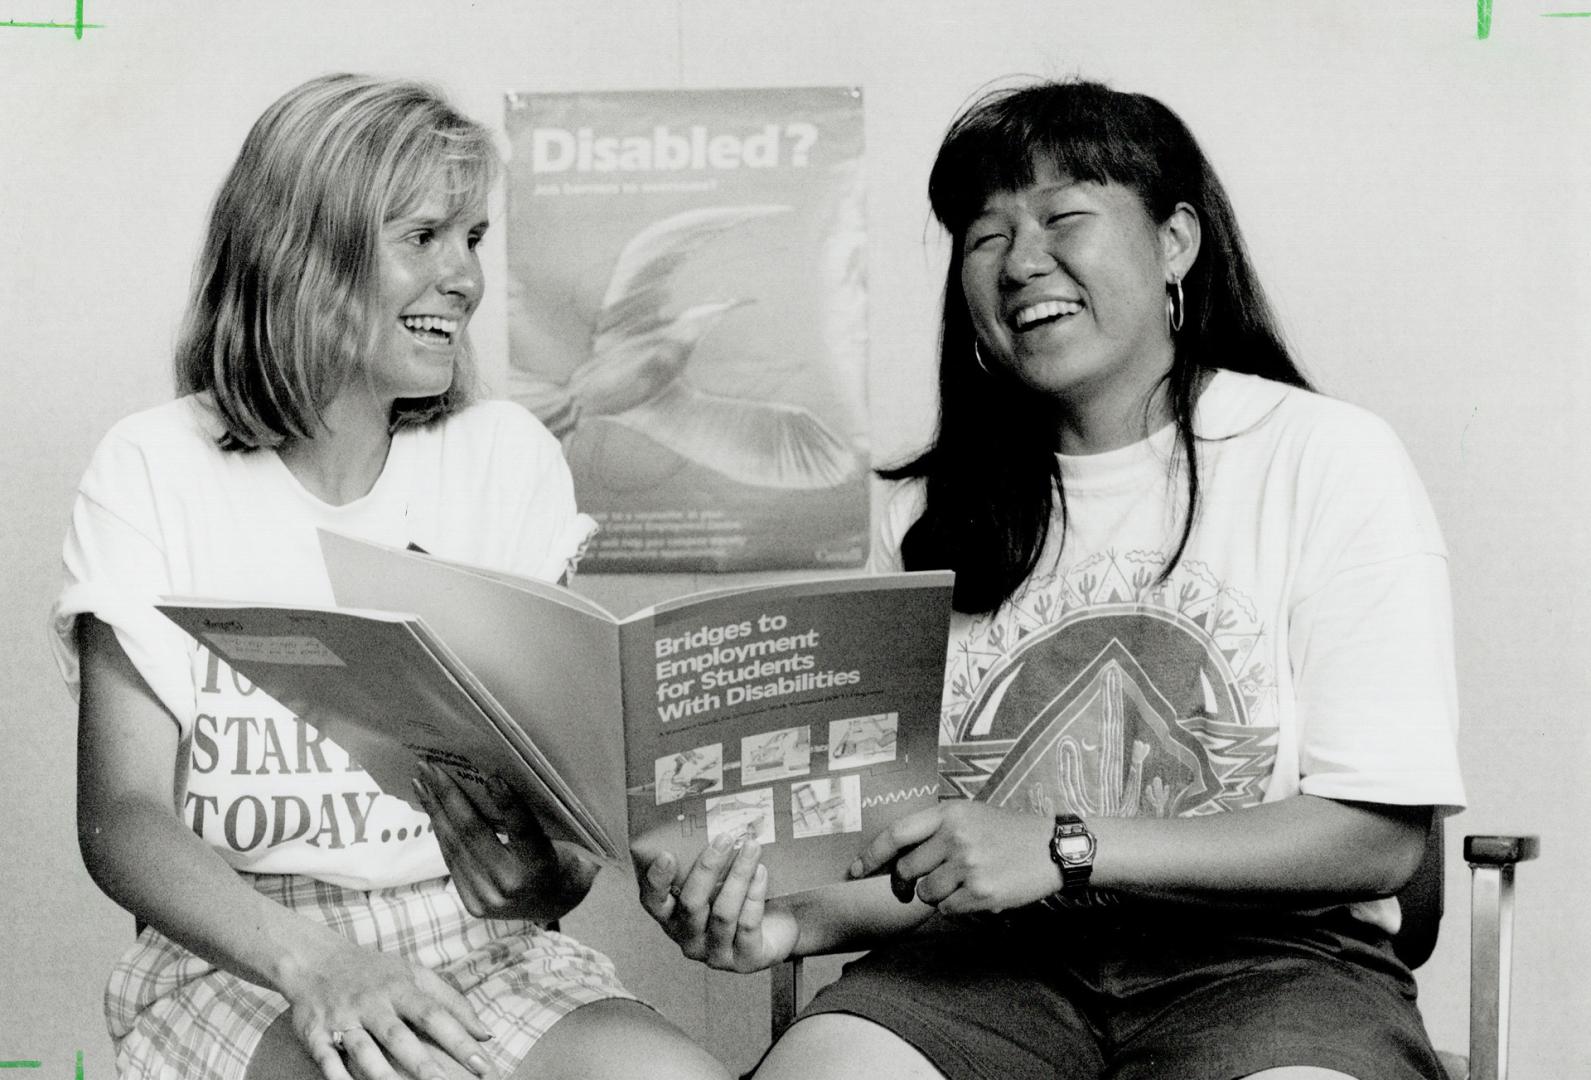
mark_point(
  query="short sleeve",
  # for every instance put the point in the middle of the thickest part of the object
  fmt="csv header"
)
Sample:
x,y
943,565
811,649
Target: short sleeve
x,y
1377,698
551,533
1370,634
114,567
903,505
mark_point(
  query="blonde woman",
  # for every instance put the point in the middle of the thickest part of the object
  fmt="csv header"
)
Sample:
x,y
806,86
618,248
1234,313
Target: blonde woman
x,y
297,921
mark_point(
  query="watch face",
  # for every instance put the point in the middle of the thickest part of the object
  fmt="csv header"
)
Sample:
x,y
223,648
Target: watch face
x,y
1073,848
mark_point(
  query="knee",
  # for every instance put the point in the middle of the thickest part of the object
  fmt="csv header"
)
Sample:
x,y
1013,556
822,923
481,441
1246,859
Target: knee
x,y
618,1040
839,1045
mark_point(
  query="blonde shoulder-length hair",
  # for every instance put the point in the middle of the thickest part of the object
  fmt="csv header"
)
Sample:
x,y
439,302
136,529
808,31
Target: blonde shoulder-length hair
x,y
280,317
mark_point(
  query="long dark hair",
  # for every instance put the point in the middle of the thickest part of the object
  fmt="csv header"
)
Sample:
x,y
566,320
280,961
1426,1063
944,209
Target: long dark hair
x,y
991,475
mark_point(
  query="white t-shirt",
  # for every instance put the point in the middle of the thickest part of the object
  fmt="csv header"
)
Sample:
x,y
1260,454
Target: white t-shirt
x,y
163,511
1303,644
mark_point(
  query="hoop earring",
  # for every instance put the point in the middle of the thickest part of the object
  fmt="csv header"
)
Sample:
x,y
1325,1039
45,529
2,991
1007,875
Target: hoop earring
x,y
977,356
1174,305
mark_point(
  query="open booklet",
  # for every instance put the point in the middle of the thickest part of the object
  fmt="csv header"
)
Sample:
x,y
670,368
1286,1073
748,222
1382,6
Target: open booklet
x,y
804,714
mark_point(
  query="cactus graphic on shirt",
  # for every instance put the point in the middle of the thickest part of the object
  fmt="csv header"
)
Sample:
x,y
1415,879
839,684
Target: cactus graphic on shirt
x,y
1102,691
1116,788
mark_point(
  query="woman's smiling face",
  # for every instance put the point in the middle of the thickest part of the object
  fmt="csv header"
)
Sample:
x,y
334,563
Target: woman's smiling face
x,y
429,284
1066,285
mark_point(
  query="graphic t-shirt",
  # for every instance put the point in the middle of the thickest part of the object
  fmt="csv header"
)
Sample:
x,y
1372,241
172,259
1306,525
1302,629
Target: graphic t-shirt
x,y
163,511
1303,643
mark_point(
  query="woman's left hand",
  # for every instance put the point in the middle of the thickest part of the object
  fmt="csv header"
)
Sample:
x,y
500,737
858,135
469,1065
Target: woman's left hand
x,y
502,870
964,857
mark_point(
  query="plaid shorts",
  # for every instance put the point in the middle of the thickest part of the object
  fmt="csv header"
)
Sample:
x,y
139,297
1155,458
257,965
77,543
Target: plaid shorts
x,y
174,1015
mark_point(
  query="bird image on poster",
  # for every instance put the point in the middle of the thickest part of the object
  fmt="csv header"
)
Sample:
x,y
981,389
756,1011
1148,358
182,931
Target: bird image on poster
x,y
687,314
637,375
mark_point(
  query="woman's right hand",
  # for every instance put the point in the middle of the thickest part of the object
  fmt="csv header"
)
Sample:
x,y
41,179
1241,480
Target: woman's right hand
x,y
392,1016
718,914
384,1008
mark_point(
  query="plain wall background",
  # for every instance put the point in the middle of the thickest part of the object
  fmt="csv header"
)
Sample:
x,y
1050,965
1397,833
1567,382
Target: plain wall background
x,y
1416,199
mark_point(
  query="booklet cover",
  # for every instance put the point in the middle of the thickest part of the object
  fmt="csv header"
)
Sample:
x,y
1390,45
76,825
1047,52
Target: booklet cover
x,y
803,713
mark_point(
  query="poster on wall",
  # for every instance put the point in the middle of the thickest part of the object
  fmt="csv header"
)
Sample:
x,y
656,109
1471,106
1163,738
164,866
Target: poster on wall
x,y
687,313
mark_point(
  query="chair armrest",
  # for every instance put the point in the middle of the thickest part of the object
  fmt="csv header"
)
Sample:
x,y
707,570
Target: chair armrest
x,y
1491,861
1500,850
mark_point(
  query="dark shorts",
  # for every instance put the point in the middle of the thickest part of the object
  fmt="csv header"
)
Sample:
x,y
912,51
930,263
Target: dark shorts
x,y
1165,994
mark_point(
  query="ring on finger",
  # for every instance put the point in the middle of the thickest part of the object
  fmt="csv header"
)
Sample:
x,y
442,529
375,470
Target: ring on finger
x,y
339,1037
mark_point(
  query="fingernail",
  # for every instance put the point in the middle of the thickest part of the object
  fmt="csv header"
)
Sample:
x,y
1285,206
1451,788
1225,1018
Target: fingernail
x,y
856,868
477,1064
760,875
722,841
420,789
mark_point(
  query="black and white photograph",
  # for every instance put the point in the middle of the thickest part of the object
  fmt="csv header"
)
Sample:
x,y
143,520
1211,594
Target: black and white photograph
x,y
1208,382
775,755
862,740
829,804
690,772
742,816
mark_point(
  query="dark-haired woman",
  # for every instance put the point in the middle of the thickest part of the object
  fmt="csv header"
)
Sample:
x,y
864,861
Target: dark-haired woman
x,y
300,922
1199,703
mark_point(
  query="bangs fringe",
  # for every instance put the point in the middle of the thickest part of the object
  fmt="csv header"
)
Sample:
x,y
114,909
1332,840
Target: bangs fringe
x,y
461,163
1083,130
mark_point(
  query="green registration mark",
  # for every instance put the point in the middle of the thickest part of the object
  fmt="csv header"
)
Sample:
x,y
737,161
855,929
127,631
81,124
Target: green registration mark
x,y
77,26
